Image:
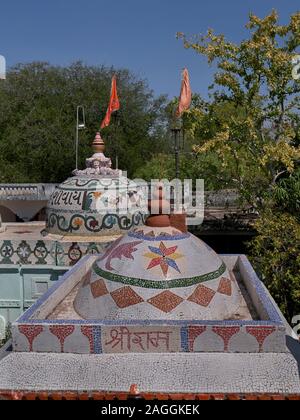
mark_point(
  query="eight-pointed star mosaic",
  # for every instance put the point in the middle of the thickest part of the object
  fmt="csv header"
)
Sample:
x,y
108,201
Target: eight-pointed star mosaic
x,y
163,256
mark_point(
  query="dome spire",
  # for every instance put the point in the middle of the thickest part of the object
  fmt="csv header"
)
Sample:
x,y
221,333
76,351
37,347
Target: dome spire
x,y
98,144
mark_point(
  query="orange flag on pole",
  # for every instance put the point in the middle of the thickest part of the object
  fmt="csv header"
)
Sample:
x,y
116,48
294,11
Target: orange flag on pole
x,y
185,98
114,103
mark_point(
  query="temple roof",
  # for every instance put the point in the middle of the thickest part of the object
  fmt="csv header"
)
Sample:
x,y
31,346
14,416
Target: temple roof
x,y
96,201
158,273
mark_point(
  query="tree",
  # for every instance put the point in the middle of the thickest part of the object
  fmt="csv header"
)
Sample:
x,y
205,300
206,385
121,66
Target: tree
x,y
253,125
38,112
254,77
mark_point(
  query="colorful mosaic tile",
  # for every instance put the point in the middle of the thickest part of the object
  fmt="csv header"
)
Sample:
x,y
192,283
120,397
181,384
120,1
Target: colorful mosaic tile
x,y
163,284
202,295
93,333
164,257
125,297
119,251
41,252
165,301
24,252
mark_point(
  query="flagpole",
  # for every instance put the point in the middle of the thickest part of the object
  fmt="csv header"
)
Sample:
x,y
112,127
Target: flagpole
x,y
115,115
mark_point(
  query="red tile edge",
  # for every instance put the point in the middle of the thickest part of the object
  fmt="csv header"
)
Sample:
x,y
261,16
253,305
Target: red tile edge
x,y
98,395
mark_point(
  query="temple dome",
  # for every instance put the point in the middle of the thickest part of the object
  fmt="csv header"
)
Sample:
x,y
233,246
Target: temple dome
x,y
158,273
96,201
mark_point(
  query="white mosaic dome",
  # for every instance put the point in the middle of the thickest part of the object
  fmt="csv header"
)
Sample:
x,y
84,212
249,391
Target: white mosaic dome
x,y
96,201
158,273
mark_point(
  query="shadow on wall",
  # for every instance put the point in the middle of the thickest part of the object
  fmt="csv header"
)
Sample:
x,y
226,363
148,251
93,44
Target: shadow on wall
x,y
40,216
8,216
294,347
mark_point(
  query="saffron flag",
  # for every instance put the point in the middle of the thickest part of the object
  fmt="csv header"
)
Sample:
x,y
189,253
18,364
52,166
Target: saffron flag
x,y
114,103
185,98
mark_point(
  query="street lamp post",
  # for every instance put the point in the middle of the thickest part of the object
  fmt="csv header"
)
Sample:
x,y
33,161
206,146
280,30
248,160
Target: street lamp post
x,y
80,125
176,130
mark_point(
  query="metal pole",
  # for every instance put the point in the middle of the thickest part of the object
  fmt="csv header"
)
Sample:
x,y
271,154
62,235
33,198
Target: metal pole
x,y
79,127
116,139
176,133
76,147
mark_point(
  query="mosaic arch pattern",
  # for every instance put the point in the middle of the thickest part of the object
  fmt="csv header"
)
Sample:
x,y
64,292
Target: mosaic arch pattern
x,y
145,338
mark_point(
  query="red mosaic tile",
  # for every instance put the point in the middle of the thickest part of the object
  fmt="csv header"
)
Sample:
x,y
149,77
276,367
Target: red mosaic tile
x,y
62,332
193,333
226,334
88,332
202,397
43,396
165,301
202,295
83,396
70,396
56,396
98,289
225,287
126,297
98,396
31,396
30,332
260,333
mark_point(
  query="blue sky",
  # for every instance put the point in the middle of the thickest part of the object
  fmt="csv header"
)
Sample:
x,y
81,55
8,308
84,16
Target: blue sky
x,y
136,34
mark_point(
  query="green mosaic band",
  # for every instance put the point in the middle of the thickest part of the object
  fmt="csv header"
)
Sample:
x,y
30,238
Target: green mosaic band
x,y
164,284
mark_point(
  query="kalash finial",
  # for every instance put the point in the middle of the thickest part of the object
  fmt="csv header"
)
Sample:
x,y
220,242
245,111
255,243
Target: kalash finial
x,y
98,144
98,164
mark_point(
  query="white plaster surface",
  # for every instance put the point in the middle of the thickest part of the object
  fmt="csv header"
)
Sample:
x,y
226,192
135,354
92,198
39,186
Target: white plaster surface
x,y
190,373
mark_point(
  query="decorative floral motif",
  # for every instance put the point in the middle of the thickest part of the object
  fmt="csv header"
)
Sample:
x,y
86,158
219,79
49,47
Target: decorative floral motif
x,y
78,222
74,253
164,257
6,252
91,224
24,252
41,252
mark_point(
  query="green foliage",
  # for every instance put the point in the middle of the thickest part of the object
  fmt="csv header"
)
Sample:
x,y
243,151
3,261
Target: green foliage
x,y
7,335
286,194
38,116
275,253
252,125
253,121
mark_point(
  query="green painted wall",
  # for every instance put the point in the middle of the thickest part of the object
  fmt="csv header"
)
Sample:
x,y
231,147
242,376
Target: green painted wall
x,y
21,286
